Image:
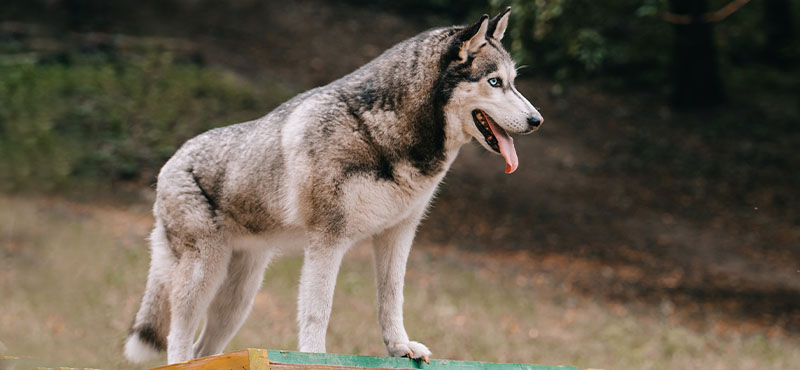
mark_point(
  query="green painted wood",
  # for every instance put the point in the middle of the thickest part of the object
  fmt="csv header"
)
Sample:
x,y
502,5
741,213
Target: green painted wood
x,y
301,358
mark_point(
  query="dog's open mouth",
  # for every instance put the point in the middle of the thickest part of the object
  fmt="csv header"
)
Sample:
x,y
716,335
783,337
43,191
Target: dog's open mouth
x,y
497,139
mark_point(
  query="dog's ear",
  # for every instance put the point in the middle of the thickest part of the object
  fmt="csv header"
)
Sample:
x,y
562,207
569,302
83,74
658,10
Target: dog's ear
x,y
498,24
472,38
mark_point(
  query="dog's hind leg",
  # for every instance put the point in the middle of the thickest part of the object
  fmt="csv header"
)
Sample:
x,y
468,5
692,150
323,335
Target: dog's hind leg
x,y
199,243
233,302
323,256
390,252
195,281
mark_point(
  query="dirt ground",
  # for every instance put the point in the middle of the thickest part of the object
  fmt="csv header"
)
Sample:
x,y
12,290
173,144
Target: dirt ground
x,y
70,293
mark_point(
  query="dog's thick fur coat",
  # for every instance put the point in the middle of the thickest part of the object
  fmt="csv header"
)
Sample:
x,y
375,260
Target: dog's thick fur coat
x,y
359,158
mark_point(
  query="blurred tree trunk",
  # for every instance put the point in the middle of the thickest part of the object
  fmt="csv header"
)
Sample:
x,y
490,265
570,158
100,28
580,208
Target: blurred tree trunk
x,y
780,30
695,67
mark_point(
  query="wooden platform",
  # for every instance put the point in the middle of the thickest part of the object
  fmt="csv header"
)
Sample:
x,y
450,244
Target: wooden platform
x,y
261,359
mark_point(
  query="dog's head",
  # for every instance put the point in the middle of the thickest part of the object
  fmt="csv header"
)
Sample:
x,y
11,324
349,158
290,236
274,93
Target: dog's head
x,y
483,102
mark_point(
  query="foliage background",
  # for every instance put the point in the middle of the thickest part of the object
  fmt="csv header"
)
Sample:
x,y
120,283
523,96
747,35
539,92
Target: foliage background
x,y
111,110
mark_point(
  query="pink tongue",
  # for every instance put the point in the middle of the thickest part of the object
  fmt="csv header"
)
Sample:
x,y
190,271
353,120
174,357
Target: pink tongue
x,y
506,144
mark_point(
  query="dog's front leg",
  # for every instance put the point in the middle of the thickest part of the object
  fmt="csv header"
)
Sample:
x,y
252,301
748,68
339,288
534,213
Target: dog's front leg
x,y
390,251
317,282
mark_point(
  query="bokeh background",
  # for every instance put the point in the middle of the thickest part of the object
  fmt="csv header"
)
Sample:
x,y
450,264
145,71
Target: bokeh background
x,y
654,222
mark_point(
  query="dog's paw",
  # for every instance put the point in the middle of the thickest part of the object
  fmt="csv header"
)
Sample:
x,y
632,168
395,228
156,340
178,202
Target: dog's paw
x,y
414,350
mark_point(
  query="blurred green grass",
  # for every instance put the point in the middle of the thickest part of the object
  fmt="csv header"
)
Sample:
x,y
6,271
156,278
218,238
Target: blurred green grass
x,y
72,276
73,119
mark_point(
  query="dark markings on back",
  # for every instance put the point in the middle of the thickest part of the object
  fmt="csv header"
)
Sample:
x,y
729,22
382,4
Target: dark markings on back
x,y
375,94
212,205
378,163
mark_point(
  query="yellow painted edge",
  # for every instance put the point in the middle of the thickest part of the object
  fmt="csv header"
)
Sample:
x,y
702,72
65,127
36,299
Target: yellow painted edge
x,y
60,368
259,359
232,360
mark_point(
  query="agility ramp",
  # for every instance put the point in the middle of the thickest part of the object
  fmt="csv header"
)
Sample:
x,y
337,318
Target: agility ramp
x,y
261,359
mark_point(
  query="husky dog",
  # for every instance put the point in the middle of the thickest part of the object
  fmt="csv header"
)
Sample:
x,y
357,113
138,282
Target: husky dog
x,y
357,159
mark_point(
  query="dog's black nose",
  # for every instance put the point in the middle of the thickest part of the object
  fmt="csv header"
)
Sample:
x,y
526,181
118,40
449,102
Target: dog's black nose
x,y
535,121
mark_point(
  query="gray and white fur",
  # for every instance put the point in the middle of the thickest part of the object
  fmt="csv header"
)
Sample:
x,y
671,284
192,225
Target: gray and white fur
x,y
359,158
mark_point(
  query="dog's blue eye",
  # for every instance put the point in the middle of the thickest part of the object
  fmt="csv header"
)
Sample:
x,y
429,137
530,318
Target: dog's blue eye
x,y
495,82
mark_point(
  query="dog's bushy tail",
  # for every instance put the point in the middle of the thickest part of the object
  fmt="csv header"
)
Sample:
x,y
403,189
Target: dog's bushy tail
x,y
148,334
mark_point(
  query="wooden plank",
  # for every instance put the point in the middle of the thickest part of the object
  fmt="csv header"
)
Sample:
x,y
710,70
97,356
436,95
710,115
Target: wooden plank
x,y
259,359
233,360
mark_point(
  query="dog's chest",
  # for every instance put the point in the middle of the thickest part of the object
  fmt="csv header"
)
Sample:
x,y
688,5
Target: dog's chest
x,y
374,204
